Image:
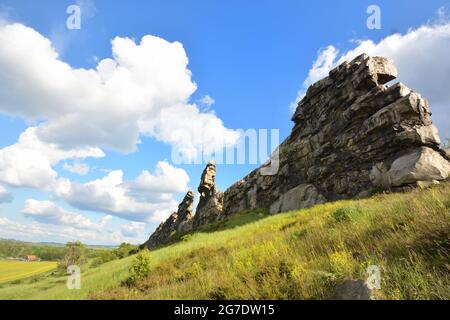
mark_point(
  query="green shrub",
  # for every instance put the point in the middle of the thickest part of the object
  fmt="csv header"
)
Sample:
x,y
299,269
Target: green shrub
x,y
186,238
140,267
298,234
344,214
104,256
377,190
125,250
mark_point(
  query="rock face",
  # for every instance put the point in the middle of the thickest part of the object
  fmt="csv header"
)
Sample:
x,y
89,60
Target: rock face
x,y
420,165
209,209
352,290
180,221
210,206
303,196
352,133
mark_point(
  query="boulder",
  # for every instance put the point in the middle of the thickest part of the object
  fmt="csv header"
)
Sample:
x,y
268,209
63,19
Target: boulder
x,y
417,166
352,290
302,196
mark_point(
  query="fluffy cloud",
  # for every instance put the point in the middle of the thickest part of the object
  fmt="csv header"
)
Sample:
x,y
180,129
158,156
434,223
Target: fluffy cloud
x,y
133,229
422,56
142,90
158,187
207,101
5,196
147,198
29,162
48,232
192,133
49,213
12,229
108,107
77,168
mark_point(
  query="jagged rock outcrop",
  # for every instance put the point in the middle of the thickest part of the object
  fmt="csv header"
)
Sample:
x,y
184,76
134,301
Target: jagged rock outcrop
x,y
353,290
209,209
352,133
180,221
210,206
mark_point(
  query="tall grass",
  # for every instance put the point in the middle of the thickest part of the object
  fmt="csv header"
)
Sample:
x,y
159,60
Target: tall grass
x,y
53,286
296,255
305,254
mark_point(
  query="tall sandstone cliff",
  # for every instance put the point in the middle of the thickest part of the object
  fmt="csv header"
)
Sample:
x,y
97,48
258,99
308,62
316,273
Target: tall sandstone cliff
x,y
352,133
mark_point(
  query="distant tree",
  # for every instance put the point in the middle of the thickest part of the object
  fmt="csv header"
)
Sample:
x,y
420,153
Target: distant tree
x,y
103,256
125,249
18,249
74,254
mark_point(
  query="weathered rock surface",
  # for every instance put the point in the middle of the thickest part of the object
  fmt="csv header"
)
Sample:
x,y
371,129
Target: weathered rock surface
x,y
180,221
209,209
352,290
210,206
302,196
352,133
418,166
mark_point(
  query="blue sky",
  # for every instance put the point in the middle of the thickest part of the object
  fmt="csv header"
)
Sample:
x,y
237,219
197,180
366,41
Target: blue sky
x,y
253,58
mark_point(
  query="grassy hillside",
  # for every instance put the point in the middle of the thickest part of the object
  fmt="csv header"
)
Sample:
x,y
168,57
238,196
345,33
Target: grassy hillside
x,y
296,255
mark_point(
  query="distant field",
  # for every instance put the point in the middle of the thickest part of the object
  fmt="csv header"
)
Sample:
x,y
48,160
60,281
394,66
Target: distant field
x,y
15,270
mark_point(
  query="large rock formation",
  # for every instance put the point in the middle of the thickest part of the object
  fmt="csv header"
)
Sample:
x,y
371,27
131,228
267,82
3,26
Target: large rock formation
x,y
352,133
210,206
209,209
180,221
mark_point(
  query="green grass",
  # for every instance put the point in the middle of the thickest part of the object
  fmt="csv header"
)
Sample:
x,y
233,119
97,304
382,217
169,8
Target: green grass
x,y
53,286
296,255
11,270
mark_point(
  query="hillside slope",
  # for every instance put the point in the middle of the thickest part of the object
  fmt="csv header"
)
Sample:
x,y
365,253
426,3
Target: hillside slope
x,y
296,255
304,254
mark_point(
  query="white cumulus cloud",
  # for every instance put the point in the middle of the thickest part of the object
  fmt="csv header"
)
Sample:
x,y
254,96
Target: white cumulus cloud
x,y
48,212
207,100
77,167
133,229
29,162
148,198
143,89
159,186
58,233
